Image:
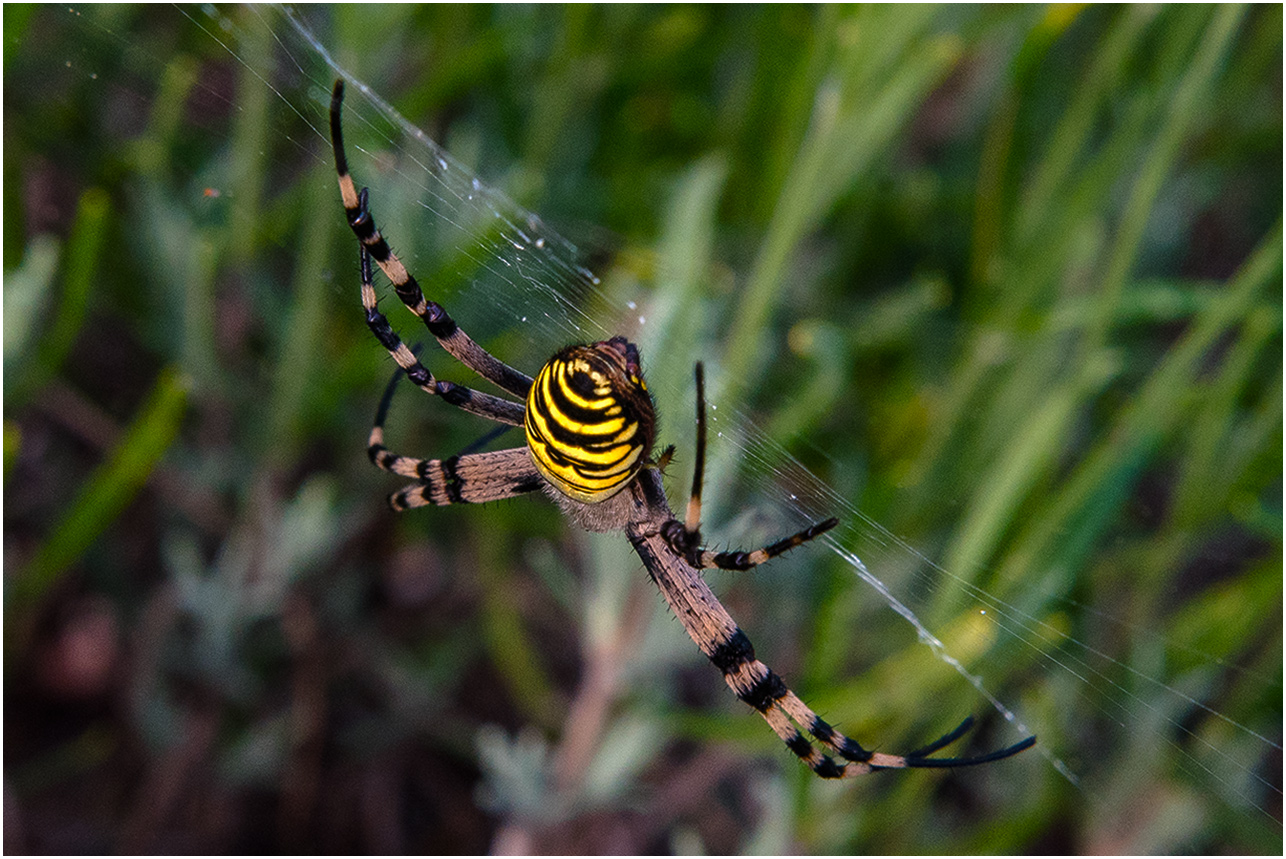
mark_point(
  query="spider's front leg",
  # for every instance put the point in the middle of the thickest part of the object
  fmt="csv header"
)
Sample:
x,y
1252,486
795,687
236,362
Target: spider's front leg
x,y
497,409
435,318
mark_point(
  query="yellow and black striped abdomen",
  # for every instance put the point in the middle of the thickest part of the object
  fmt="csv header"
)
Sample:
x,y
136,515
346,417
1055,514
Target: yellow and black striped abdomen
x,y
590,420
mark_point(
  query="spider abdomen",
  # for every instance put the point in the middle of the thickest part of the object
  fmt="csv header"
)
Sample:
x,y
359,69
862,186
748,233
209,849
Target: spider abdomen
x,y
590,420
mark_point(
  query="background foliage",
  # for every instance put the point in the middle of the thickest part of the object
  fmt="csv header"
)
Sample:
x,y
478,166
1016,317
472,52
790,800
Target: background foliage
x,y
1007,278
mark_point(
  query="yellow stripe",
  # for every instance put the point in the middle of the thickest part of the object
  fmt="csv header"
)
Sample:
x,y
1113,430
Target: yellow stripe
x,y
603,428
608,457
626,434
568,478
577,399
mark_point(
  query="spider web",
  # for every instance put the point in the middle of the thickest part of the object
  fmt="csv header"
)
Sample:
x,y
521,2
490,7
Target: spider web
x,y
508,278
529,274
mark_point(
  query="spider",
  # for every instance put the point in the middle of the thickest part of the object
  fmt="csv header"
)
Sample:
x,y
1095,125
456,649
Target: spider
x,y
590,425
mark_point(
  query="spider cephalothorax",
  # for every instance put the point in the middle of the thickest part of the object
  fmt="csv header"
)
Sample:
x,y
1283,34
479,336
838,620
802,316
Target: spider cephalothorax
x,y
590,425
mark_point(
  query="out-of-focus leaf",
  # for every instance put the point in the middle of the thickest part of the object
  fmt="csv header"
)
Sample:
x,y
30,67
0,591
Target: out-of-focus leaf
x,y
79,269
26,298
107,491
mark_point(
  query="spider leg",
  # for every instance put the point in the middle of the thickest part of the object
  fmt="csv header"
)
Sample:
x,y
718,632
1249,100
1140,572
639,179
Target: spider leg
x,y
692,521
387,399
852,751
708,623
484,405
435,318
470,478
719,637
945,740
947,763
685,537
474,478
741,560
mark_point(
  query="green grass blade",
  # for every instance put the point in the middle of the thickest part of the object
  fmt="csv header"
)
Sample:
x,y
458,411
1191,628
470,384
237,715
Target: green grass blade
x,y
80,262
108,490
854,118
1177,121
300,357
1102,481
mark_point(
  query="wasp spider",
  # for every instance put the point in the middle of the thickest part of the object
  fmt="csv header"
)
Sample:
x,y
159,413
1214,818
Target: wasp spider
x,y
589,423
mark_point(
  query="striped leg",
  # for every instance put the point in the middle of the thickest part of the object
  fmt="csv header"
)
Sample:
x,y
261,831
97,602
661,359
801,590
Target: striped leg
x,y
724,644
484,405
761,688
474,478
687,544
470,478
685,537
708,623
435,318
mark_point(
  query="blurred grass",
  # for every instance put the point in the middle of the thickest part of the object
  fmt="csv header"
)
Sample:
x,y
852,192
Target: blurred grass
x,y
1007,278
105,494
83,248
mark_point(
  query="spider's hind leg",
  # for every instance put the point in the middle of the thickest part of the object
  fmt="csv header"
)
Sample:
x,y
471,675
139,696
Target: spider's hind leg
x,y
760,687
829,754
685,537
